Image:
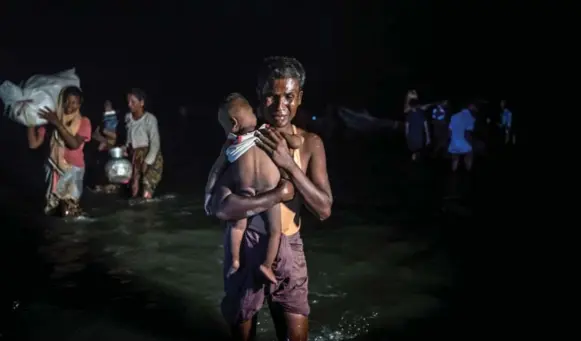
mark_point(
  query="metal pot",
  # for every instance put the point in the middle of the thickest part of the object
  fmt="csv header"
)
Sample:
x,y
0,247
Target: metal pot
x,y
116,152
118,170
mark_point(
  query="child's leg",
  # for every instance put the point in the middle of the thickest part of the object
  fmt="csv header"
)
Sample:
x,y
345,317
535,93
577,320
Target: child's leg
x,y
274,230
236,236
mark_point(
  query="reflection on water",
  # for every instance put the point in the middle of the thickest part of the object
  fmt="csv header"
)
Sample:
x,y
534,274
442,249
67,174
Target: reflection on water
x,y
155,268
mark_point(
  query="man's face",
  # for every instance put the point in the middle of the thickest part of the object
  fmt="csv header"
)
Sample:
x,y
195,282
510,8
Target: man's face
x,y
279,101
72,104
135,105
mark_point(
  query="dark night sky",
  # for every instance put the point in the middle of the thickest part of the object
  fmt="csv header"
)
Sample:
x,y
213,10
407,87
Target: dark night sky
x,y
197,51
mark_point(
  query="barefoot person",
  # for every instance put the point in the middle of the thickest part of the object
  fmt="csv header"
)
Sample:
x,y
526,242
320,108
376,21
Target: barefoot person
x,y
280,93
66,162
143,145
239,123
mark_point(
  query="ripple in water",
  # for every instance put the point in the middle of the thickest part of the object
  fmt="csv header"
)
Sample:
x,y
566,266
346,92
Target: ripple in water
x,y
141,201
350,326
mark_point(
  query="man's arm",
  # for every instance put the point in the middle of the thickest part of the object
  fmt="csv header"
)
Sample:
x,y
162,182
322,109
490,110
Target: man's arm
x,y
35,137
229,206
314,188
427,131
97,136
154,143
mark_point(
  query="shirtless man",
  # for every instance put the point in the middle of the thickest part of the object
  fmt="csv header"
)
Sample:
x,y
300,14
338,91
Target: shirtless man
x,y
280,94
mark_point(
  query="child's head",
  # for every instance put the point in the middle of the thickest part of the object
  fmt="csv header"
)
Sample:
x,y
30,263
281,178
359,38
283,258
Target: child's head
x,y
236,116
108,106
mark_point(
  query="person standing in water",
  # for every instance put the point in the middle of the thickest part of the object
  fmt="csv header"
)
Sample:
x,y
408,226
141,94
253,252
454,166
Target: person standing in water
x,y
416,129
143,146
239,123
65,166
461,128
280,93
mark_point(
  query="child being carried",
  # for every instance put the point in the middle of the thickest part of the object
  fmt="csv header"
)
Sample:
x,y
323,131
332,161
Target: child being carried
x,y
254,173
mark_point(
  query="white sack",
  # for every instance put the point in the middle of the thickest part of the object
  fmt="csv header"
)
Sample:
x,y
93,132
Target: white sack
x,y
39,91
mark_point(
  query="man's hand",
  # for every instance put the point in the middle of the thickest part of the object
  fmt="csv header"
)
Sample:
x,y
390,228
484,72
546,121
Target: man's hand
x,y
286,190
49,115
274,144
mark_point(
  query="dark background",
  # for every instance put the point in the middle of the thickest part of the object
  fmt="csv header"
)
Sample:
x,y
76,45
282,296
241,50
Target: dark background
x,y
357,53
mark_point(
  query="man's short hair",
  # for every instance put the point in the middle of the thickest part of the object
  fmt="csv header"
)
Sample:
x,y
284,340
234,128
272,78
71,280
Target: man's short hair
x,y
279,67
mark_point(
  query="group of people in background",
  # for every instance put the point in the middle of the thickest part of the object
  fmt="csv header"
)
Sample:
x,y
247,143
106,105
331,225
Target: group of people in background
x,y
68,131
452,133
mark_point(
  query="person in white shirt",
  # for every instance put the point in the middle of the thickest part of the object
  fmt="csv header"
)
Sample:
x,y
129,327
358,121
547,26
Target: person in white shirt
x,y
143,146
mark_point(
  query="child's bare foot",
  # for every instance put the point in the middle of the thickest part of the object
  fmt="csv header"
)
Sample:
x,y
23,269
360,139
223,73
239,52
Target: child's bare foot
x,y
267,272
233,268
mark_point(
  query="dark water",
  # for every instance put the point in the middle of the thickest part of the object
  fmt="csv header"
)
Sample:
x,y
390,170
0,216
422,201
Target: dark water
x,y
394,261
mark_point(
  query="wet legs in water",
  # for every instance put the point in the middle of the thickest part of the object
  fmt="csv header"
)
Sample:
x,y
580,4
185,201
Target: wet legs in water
x,y
467,160
289,327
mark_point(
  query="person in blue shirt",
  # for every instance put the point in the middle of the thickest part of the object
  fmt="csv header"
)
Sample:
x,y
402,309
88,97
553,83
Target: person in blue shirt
x,y
461,127
440,127
506,123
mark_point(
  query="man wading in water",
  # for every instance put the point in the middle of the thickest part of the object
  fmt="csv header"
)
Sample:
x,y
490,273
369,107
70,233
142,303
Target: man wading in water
x,y
280,93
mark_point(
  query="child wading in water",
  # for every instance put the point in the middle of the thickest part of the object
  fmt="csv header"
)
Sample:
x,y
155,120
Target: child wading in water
x,y
239,123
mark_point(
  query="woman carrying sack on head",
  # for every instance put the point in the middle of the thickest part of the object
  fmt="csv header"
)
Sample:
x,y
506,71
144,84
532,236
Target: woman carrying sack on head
x,y
66,163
